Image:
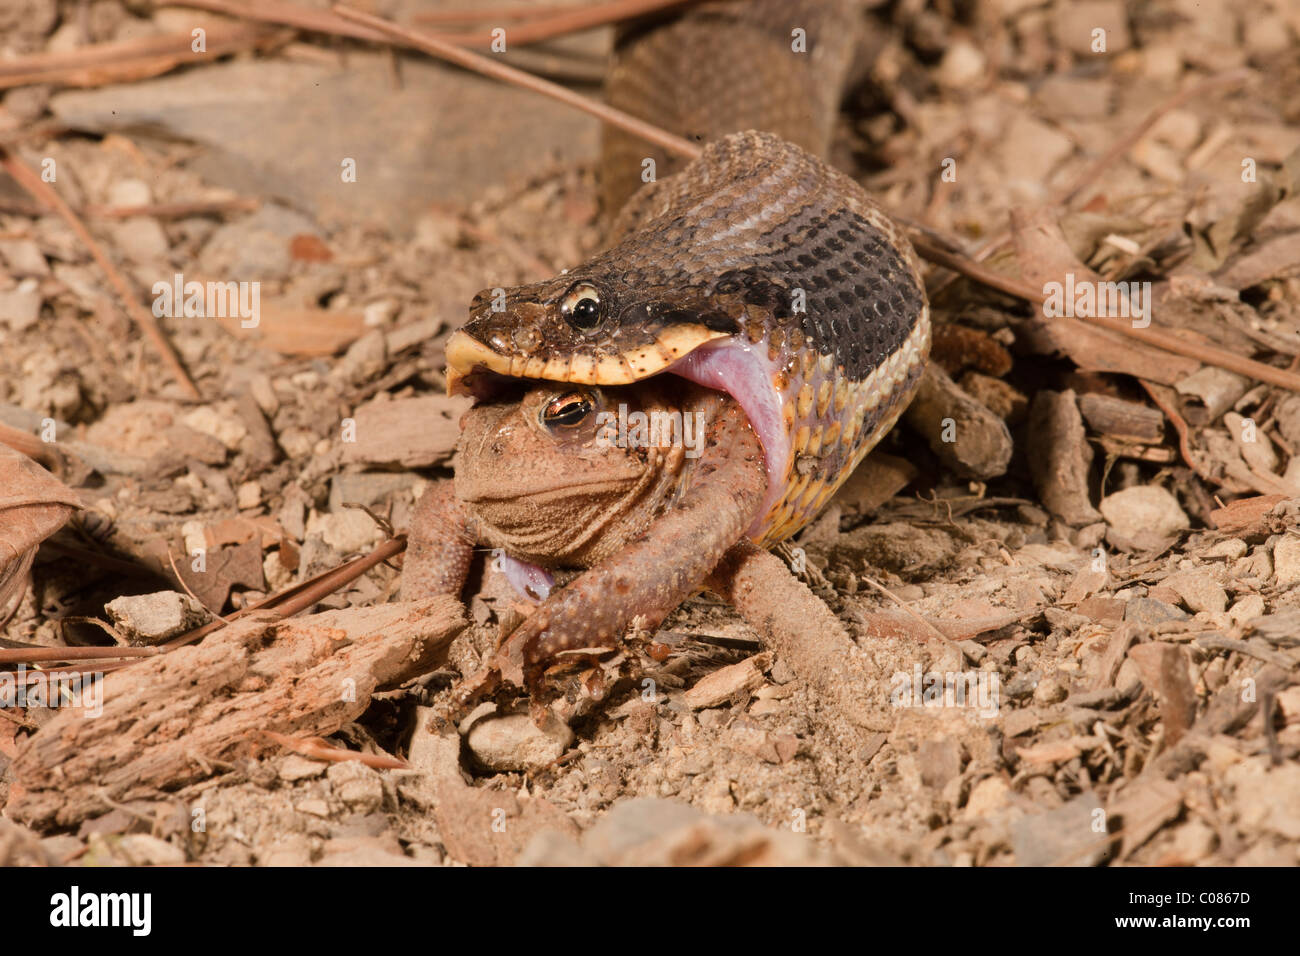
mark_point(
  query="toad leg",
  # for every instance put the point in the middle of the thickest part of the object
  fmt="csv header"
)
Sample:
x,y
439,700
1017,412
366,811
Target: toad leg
x,y
653,574
439,545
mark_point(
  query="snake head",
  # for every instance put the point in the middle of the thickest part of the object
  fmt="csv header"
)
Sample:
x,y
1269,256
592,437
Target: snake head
x,y
592,326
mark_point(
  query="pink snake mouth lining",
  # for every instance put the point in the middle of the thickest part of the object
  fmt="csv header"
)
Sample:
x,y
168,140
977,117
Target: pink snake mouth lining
x,y
744,372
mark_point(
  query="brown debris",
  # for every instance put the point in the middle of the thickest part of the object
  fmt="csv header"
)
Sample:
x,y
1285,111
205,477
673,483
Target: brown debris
x,y
967,438
305,676
1061,457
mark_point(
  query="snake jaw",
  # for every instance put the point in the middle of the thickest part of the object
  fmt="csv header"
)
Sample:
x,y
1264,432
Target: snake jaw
x,y
468,358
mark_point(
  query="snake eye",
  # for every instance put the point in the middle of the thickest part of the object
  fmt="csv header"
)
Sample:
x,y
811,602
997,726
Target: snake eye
x,y
567,411
581,307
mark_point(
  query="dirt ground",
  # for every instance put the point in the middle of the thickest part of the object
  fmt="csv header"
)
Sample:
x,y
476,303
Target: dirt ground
x,y
1122,596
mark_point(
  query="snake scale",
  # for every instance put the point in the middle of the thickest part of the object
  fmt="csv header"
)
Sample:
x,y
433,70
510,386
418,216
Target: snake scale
x,y
756,270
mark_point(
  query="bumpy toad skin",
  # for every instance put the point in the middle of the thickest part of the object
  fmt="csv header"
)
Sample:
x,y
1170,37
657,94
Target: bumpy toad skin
x,y
648,522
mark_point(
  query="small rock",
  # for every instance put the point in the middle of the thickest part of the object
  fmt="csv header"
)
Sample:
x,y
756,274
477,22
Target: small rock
x,y
364,358
988,796
142,240
1075,22
141,849
1199,591
249,495
654,832
1286,560
1102,609
1021,721
296,767
228,429
358,786
1266,797
962,65
1148,516
1050,691
728,682
129,192
1230,548
1064,836
256,245
148,619
21,307
1247,609
1149,611
346,531
317,808
1193,841
364,851
24,258
514,742
754,740
940,761
1022,685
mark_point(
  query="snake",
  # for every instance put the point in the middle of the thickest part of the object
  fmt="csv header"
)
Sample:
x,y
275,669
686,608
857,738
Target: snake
x,y
757,269
757,274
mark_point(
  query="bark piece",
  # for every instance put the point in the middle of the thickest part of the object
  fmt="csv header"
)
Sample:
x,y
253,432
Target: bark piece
x,y
411,432
1249,518
728,682
1164,670
179,717
1117,418
1061,457
968,439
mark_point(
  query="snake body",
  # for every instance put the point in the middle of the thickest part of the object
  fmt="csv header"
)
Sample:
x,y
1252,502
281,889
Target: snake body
x,y
757,269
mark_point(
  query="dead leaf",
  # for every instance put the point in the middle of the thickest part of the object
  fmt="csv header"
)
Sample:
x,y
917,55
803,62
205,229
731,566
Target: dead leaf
x,y
33,505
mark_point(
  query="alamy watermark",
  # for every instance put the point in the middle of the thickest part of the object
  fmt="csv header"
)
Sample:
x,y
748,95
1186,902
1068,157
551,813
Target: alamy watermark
x,y
59,689
978,690
218,300
1088,299
656,429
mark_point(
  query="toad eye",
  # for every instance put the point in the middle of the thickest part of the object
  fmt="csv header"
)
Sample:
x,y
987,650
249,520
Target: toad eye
x,y
567,411
581,307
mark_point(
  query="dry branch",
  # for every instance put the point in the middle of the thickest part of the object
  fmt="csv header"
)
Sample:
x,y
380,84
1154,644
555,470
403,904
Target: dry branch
x,y
172,719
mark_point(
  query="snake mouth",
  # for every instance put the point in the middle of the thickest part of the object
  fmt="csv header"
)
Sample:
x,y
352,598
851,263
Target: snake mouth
x,y
474,368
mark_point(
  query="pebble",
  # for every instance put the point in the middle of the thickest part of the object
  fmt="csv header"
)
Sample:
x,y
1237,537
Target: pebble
x,y
988,796
1286,560
358,786
345,531
296,767
1149,611
228,429
21,307
1147,515
129,192
1247,609
148,619
515,743
1199,591
1050,691
1061,836
24,258
962,65
1230,548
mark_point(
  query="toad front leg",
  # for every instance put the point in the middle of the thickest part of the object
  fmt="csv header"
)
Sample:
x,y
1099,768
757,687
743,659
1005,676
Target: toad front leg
x,y
439,546
652,574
